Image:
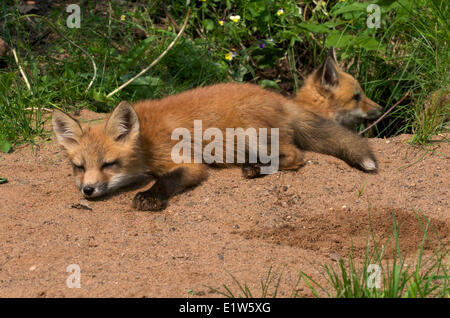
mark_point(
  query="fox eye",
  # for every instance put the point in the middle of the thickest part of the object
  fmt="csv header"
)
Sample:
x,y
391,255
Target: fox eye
x,y
357,97
78,167
110,164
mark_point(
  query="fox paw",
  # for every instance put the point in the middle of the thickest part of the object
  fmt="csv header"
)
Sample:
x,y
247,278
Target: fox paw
x,y
251,171
146,201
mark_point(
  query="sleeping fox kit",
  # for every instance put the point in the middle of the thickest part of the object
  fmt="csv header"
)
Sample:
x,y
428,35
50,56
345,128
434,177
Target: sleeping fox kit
x,y
146,138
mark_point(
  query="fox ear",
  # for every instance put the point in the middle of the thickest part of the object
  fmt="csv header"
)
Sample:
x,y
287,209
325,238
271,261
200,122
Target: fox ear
x,y
332,54
67,129
328,74
123,122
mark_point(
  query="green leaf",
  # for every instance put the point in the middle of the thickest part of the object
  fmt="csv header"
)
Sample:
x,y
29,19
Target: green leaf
x,y
287,35
331,24
99,96
314,28
208,24
356,6
128,61
269,84
3,180
5,146
147,81
385,3
370,44
339,40
255,8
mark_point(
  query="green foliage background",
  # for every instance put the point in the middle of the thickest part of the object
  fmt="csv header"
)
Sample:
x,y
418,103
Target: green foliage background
x,y
273,43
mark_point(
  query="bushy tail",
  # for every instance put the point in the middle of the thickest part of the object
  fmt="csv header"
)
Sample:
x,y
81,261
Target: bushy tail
x,y
314,133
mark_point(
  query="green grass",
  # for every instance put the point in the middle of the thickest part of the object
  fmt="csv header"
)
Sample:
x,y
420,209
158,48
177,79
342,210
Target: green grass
x,y
354,278
428,278
269,287
408,53
20,112
59,72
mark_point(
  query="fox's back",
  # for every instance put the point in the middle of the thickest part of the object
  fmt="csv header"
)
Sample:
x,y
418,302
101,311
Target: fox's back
x,y
222,106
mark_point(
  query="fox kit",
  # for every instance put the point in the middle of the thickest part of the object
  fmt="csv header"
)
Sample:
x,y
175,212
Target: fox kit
x,y
138,140
336,95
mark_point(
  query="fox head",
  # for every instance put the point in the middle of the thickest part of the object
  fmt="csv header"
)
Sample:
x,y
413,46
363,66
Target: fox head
x,y
104,156
336,95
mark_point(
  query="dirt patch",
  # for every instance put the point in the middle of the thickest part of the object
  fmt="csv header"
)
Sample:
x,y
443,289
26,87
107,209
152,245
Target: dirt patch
x,y
290,221
343,232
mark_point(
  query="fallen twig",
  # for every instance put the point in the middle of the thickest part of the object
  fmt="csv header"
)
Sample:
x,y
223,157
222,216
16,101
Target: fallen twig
x,y
156,60
24,76
174,23
42,109
384,115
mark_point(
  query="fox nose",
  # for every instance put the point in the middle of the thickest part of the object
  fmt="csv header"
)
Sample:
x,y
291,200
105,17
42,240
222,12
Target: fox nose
x,y
374,113
88,190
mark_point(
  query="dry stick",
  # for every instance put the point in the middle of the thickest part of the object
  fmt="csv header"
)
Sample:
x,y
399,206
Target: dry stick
x,y
177,28
384,115
21,71
42,108
157,59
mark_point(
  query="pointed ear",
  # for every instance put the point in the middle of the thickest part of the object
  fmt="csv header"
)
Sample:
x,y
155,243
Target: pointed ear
x,y
67,129
123,122
332,54
328,74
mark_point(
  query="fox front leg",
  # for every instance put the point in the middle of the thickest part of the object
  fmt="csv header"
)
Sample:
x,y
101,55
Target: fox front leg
x,y
251,171
179,179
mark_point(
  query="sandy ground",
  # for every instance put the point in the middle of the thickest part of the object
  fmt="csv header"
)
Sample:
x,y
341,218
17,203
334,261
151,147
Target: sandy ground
x,y
290,221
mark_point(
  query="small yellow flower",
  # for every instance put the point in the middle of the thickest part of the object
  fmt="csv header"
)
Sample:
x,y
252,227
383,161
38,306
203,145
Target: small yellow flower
x,y
203,0
280,12
235,18
231,55
122,17
221,22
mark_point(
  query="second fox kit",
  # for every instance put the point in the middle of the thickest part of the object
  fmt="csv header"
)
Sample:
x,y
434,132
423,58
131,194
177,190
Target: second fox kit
x,y
136,140
336,95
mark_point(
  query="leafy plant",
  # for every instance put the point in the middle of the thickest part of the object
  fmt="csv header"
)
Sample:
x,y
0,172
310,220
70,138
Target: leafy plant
x,y
268,42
